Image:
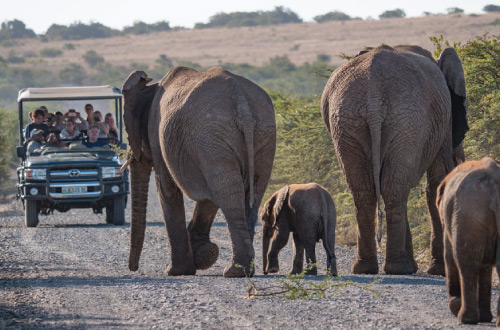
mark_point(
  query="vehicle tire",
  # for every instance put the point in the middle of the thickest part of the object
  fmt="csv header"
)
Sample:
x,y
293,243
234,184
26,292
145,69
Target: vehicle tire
x,y
115,214
31,213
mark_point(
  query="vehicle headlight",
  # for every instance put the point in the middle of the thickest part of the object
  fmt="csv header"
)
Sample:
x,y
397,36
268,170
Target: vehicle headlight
x,y
111,172
35,173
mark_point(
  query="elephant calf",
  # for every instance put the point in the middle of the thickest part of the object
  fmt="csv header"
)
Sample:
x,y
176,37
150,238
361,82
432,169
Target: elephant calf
x,y
469,206
308,211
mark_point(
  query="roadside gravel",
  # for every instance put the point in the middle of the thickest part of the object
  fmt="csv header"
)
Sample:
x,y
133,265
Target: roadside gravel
x,y
71,272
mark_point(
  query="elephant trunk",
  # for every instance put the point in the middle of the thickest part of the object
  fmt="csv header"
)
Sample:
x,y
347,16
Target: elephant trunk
x,y
266,238
140,172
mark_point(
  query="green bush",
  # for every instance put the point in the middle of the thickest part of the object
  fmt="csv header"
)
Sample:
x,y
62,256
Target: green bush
x,y
454,10
496,22
15,29
78,31
332,16
72,74
14,58
92,58
396,13
50,52
491,9
69,46
144,28
279,15
8,139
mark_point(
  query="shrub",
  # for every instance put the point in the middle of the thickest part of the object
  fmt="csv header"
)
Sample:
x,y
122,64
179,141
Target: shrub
x,y
69,46
496,22
491,8
279,15
15,29
14,58
8,139
396,13
50,52
72,74
92,58
78,31
454,10
144,28
332,16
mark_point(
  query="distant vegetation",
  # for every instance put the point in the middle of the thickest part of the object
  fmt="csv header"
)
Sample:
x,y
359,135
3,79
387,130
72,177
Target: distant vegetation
x,y
396,13
144,28
454,10
78,31
333,16
491,8
50,52
279,15
15,30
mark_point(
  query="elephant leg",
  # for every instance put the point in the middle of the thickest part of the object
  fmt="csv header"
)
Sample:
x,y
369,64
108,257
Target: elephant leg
x,y
298,255
231,200
485,294
409,244
172,202
205,253
366,259
278,242
469,275
310,248
397,260
435,174
452,280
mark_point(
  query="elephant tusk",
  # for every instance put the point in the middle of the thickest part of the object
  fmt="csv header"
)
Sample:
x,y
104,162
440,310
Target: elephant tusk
x,y
125,165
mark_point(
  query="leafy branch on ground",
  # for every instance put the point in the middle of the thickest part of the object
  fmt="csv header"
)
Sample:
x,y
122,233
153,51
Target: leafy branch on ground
x,y
297,286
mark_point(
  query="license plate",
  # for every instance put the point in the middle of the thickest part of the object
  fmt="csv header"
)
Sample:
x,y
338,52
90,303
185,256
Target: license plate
x,y
74,190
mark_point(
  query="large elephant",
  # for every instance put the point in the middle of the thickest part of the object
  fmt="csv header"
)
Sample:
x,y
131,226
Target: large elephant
x,y
210,136
394,114
468,201
306,210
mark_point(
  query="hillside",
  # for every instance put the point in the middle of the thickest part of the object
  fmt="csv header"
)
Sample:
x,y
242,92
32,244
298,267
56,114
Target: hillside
x,y
255,45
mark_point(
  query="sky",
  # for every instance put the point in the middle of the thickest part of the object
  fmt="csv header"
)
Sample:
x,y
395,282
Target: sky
x,y
39,15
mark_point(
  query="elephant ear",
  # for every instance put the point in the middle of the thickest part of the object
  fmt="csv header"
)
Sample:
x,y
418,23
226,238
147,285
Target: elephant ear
x,y
281,197
137,97
453,72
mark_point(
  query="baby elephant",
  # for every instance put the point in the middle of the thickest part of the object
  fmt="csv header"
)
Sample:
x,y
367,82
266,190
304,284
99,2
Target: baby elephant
x,y
469,206
308,211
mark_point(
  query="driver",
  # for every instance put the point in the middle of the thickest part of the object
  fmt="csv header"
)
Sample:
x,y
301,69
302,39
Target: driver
x,y
36,141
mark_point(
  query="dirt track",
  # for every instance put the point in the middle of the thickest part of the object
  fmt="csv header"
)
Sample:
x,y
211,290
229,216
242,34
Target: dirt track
x,y
71,272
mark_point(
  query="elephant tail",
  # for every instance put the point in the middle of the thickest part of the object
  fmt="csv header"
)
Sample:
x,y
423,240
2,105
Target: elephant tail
x,y
375,126
246,123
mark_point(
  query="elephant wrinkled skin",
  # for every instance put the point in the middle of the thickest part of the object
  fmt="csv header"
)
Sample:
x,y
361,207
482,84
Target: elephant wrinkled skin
x,y
210,136
468,201
394,114
306,210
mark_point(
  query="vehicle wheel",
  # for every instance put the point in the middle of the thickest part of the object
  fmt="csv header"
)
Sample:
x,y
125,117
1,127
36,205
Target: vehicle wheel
x,y
115,214
31,213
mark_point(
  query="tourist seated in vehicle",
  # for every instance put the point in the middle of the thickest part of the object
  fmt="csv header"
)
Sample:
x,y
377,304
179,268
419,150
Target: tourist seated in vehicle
x,y
103,127
113,131
36,124
36,142
93,138
50,121
80,123
53,141
59,122
70,131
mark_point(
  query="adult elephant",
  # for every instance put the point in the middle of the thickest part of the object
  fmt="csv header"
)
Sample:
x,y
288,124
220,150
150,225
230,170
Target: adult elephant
x,y
394,114
210,136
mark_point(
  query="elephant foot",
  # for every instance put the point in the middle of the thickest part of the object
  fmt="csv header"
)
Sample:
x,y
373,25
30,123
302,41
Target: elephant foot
x,y
485,316
295,271
205,254
181,270
362,266
238,271
408,266
436,268
272,270
455,304
468,317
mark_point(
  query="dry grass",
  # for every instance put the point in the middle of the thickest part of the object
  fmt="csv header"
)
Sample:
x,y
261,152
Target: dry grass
x,y
300,42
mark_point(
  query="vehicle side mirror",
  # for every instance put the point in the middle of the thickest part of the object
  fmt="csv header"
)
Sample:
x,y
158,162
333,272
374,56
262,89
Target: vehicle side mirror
x,y
123,146
21,151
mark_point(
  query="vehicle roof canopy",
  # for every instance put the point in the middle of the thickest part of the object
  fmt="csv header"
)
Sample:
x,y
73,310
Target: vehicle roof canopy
x,y
69,93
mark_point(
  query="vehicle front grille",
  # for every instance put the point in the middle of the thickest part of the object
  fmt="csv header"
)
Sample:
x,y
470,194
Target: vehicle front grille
x,y
74,183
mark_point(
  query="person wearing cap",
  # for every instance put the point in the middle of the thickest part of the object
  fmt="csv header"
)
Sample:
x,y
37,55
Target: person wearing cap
x,y
37,123
93,141
36,141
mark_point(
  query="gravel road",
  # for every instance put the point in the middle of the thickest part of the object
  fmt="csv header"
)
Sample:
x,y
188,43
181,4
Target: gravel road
x,y
71,272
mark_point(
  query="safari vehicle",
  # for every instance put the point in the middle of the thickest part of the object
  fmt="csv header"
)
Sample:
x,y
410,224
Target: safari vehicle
x,y
64,178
